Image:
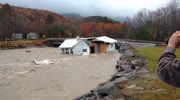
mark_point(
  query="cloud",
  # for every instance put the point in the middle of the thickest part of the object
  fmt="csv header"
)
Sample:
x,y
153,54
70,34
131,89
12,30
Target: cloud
x,y
90,7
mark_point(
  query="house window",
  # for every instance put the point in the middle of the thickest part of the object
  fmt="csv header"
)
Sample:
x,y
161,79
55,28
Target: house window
x,y
84,50
71,51
66,51
62,50
111,45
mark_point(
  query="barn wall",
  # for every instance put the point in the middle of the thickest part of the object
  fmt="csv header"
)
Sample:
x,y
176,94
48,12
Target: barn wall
x,y
102,47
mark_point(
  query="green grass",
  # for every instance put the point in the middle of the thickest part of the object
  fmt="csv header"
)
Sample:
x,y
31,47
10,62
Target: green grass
x,y
151,87
153,54
16,42
154,88
139,82
1,43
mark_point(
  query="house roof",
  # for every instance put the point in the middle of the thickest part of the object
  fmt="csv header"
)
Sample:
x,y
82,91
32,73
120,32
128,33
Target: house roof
x,y
89,38
69,43
105,39
32,33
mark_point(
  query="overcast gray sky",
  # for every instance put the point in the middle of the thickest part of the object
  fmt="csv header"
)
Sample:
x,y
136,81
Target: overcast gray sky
x,y
90,7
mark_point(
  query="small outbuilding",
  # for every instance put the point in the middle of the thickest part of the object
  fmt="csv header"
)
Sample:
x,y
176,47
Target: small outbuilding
x,y
74,46
103,44
33,36
17,36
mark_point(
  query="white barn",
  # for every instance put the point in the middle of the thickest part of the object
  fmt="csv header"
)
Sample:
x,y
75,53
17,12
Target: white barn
x,y
74,46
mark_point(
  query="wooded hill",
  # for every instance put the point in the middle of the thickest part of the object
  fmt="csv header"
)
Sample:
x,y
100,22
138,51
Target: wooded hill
x,y
25,20
155,25
100,19
53,25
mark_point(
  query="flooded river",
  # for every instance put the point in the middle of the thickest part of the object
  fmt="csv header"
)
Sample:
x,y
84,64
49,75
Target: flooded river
x,y
70,76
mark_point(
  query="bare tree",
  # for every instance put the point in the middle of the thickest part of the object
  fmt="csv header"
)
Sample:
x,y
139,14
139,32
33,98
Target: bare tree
x,y
161,22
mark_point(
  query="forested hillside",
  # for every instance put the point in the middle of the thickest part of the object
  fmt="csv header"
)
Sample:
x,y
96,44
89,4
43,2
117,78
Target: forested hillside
x,y
155,25
52,25
99,19
24,20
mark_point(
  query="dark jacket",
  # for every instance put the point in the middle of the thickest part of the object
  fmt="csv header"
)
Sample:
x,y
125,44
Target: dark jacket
x,y
169,67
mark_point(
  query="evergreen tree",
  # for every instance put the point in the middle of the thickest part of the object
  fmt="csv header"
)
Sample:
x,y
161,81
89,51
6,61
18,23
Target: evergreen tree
x,y
49,19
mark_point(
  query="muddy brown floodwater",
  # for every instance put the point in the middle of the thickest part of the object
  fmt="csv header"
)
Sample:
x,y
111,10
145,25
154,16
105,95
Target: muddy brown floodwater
x,y
70,76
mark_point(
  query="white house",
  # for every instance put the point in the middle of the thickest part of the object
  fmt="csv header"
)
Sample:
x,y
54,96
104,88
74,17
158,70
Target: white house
x,y
32,35
74,46
17,36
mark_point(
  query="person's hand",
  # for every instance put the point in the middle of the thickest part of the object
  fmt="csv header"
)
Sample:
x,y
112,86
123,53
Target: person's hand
x,y
174,40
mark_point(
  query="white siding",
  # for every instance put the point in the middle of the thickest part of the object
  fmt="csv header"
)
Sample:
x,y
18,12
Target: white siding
x,y
111,47
78,49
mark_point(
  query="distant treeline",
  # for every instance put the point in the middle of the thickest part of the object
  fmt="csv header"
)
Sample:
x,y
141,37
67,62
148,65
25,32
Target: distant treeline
x,y
156,25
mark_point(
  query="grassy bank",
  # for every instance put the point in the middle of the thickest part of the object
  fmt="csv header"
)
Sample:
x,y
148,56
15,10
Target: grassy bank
x,y
21,42
152,88
17,42
152,55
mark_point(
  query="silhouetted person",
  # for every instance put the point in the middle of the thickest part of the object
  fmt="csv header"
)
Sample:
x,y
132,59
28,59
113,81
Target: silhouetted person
x,y
168,66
